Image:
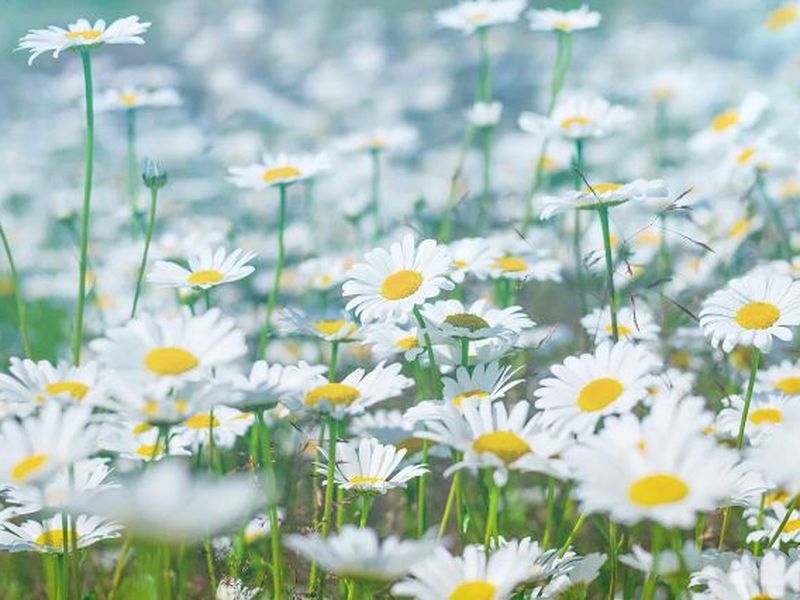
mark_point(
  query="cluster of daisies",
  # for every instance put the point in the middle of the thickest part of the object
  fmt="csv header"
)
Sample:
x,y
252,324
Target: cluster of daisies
x,y
562,366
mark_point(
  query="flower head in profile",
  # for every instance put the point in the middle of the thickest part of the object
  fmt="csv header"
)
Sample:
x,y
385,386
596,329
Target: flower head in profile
x,y
606,194
280,170
207,269
81,35
48,535
578,116
565,21
130,97
471,16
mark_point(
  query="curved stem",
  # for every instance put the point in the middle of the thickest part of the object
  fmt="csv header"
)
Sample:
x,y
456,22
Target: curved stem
x,y
602,211
572,534
491,516
20,303
273,296
86,210
786,518
151,219
448,507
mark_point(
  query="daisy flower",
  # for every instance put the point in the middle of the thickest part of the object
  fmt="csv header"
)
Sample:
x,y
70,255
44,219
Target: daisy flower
x,y
225,422
585,388
766,411
391,139
48,535
388,341
475,574
265,384
565,21
484,382
366,465
82,34
38,445
282,169
357,553
472,16
748,577
577,116
450,319
169,350
143,442
633,325
783,378
773,520
333,326
32,384
728,124
388,426
522,266
665,476
357,391
491,437
207,269
750,311
129,98
605,194
390,284
471,256
784,16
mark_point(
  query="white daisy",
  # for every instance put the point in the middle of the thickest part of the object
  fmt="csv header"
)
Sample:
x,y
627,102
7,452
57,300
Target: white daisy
x,y
749,578
750,311
129,98
769,459
471,256
484,382
728,124
585,388
282,169
450,319
783,378
566,21
484,114
331,326
82,34
522,266
471,16
207,269
773,520
32,384
48,535
391,283
366,465
265,384
766,411
606,194
783,17
633,325
387,341
143,442
577,116
226,423
400,138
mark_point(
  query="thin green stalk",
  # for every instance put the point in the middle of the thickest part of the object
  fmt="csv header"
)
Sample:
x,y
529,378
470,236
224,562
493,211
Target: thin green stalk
x,y
65,579
436,383
375,200
484,91
651,583
120,566
486,171
760,523
133,175
612,558
86,210
422,509
273,296
572,534
465,353
366,505
491,515
448,507
329,485
20,303
334,361
212,577
756,359
602,211
786,518
151,219
549,514
272,509
576,234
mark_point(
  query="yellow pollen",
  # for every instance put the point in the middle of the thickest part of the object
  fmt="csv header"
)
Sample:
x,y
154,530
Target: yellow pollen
x,y
781,496
170,360
407,343
563,25
622,330
280,173
86,34
783,16
363,479
478,17
206,277
329,327
792,526
745,155
604,188
572,121
375,143
656,490
28,466
473,590
598,394
511,264
549,163
75,389
757,315
201,421
765,416
506,445
128,100
141,428
762,597
789,385
401,284
466,321
54,538
790,189
459,264
724,121
458,399
641,446
339,394
150,451
739,228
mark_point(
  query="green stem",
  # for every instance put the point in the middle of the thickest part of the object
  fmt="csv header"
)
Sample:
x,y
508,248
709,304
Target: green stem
x,y
549,514
436,383
756,359
612,554
786,518
366,505
314,578
87,199
272,509
120,566
422,510
334,361
448,507
446,227
484,91
20,303
760,523
273,296
602,211
465,353
151,219
491,515
65,537
576,234
651,583
133,176
572,534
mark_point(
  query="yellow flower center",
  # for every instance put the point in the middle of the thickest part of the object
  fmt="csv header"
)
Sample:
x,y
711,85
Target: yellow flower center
x,y
466,321
563,25
605,187
75,389
339,394
739,228
149,451
790,189
478,17
407,343
781,496
128,100
27,467
401,284
330,327
598,394
765,416
511,264
140,428
572,121
170,360
656,490
745,155
725,120
459,264
458,399
791,526
757,315
280,173
375,143
789,385
86,34
473,590
54,538
783,16
363,479
201,421
506,445
622,330
206,277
